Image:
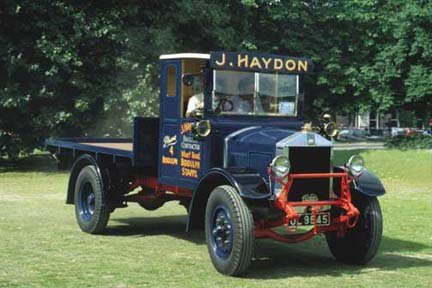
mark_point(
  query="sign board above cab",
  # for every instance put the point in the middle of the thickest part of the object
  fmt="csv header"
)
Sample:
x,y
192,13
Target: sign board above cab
x,y
257,62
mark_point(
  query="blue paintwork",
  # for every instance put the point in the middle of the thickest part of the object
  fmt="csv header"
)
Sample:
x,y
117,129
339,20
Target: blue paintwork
x,y
145,145
170,126
221,128
222,125
247,181
261,148
170,123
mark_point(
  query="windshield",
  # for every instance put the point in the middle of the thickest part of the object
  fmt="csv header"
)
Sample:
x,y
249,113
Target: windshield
x,y
253,93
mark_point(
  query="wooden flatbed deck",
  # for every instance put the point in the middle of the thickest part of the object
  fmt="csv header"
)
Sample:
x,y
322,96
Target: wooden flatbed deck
x,y
142,151
117,146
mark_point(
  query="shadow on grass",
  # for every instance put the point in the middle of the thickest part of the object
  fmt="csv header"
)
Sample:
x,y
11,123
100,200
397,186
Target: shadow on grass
x,y
31,163
278,260
174,226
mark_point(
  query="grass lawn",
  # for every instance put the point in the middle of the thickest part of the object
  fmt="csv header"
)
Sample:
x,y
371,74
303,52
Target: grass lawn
x,y
42,246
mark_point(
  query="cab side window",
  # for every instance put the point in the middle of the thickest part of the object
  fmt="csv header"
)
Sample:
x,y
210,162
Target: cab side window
x,y
192,69
171,81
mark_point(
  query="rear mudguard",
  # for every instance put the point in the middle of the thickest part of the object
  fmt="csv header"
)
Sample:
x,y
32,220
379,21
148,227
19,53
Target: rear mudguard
x,y
80,163
248,183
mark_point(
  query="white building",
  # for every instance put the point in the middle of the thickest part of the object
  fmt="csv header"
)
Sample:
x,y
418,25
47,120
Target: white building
x,y
370,120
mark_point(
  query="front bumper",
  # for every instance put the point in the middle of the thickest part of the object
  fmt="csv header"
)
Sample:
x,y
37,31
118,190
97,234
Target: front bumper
x,y
344,220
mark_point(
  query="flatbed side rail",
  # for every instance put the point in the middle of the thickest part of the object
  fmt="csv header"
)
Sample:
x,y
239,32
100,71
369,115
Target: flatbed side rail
x,y
76,146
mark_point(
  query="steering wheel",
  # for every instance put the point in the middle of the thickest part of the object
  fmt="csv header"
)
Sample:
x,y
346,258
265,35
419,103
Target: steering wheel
x,y
228,105
224,103
196,112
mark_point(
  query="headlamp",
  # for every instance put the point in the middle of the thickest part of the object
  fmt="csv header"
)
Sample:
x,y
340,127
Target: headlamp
x,y
280,166
355,165
330,129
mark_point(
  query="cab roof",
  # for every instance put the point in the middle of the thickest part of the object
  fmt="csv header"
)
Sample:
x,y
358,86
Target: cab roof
x,y
185,56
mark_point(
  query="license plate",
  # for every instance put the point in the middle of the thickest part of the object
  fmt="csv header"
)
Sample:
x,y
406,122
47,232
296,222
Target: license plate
x,y
322,219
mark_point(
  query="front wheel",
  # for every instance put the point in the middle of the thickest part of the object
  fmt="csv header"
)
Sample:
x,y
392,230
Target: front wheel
x,y
229,231
360,244
91,211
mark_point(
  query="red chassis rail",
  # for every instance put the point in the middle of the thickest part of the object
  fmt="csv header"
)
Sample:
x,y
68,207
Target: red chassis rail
x,y
263,229
339,223
159,191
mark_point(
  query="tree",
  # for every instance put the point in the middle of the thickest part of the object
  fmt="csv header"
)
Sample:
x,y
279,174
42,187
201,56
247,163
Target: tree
x,y
57,65
74,68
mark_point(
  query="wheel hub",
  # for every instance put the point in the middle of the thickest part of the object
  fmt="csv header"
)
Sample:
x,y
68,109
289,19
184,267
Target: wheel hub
x,y
87,202
221,232
90,202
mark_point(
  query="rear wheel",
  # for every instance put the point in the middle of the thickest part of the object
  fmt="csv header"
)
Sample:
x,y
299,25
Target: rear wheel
x,y
360,244
229,231
91,211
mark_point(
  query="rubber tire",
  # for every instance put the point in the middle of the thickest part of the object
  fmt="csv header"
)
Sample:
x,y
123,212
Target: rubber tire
x,y
242,226
101,213
360,244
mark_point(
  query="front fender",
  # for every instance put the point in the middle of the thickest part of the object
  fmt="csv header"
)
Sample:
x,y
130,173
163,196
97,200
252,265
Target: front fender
x,y
248,183
369,185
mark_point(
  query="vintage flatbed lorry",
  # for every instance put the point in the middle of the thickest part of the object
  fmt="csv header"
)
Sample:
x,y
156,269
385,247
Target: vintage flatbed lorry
x,y
231,146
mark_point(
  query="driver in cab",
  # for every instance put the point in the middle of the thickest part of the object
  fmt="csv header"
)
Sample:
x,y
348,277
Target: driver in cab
x,y
196,101
243,102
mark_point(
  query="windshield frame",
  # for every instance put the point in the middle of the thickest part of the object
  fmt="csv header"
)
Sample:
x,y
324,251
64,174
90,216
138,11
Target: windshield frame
x,y
256,76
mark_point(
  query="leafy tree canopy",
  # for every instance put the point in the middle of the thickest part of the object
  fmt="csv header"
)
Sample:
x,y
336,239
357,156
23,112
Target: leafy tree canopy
x,y
71,68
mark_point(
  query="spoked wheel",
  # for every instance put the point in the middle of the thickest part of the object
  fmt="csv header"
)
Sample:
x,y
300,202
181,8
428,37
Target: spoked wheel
x,y
91,211
229,231
360,244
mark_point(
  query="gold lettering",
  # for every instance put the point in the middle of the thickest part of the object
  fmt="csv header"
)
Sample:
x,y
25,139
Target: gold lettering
x,y
189,172
266,62
290,65
277,64
255,62
303,65
222,61
190,163
185,154
242,60
169,160
186,127
196,156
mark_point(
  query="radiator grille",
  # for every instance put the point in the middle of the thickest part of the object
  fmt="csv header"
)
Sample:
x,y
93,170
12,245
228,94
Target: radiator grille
x,y
310,160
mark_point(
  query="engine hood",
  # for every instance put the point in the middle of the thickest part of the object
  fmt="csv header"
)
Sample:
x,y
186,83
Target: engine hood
x,y
255,147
